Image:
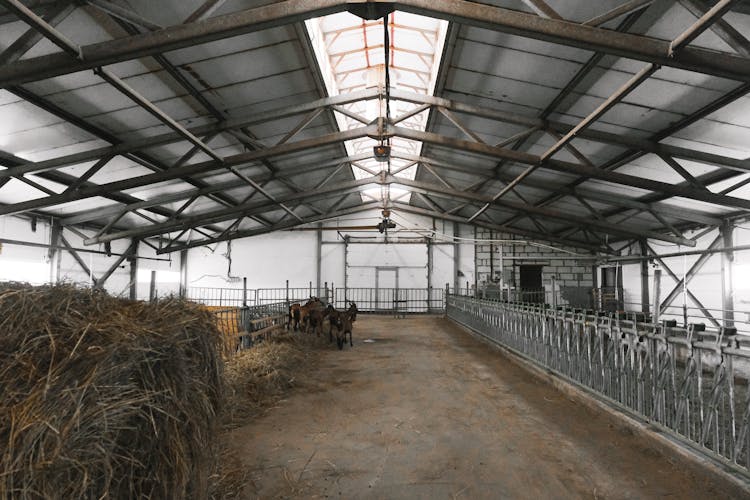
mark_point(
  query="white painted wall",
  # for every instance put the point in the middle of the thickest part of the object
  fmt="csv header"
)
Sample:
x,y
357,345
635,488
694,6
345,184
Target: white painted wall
x,y
631,284
70,271
33,264
167,272
21,263
706,286
409,259
266,261
442,265
269,260
332,263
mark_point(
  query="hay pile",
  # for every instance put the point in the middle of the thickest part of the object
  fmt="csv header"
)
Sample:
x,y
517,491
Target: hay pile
x,y
105,398
257,377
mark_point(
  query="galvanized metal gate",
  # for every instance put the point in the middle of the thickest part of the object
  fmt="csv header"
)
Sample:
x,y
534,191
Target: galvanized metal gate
x,y
688,381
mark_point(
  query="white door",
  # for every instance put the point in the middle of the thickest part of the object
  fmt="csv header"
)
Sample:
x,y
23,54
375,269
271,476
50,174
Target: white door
x,y
386,283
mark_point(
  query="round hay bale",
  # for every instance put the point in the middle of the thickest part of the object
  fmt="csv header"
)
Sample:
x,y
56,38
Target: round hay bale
x,y
105,398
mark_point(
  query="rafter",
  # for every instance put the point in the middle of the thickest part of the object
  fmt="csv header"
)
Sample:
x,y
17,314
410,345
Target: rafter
x,y
186,170
246,233
402,207
636,47
245,209
574,168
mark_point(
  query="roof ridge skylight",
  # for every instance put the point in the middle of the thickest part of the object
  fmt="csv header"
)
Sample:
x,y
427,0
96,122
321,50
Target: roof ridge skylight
x,y
351,55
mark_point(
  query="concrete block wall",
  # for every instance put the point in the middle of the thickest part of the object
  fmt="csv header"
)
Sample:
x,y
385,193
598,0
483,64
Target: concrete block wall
x,y
572,274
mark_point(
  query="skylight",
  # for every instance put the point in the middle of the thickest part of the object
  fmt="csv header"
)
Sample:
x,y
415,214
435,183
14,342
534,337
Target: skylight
x,y
351,54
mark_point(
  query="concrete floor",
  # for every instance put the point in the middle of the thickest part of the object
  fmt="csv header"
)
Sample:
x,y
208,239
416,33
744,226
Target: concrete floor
x,y
429,411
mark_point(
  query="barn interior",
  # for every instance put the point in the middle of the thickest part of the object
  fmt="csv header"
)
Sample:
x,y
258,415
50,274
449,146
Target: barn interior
x,y
509,191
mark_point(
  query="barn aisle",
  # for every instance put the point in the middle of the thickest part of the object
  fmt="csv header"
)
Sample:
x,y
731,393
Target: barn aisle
x,y
428,411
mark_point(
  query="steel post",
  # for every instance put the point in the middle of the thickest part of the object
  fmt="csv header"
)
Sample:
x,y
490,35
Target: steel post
x,y
152,287
644,278
657,295
727,286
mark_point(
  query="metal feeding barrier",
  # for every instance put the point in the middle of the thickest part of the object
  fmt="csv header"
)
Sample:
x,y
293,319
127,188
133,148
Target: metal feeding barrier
x,y
690,381
242,326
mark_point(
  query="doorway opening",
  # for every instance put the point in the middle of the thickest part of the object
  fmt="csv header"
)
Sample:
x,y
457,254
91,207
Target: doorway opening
x,y
530,284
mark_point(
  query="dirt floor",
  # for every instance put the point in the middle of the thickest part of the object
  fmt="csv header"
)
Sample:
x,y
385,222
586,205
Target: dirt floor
x,y
426,410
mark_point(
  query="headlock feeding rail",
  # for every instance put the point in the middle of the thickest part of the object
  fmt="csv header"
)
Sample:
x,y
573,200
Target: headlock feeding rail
x,y
690,382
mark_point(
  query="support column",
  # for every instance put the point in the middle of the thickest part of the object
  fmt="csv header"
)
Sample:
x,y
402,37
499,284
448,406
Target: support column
x,y
430,262
346,264
152,287
596,301
644,278
318,257
657,294
133,261
456,258
727,287
183,273
501,265
476,268
491,278
53,251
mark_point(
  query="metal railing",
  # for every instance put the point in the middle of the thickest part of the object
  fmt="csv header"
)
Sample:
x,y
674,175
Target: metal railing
x,y
238,323
216,296
372,300
690,381
392,300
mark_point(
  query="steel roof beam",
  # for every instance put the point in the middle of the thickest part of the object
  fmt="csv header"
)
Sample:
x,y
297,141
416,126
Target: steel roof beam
x,y
635,81
67,180
622,10
245,233
205,10
124,14
29,17
111,211
584,222
166,119
149,107
702,24
631,155
636,47
573,168
70,181
721,28
124,148
602,197
29,39
402,207
605,106
647,146
187,170
542,9
244,209
40,7
582,73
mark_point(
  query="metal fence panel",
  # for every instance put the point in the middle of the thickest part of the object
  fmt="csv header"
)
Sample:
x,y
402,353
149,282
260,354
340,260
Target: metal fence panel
x,y
692,382
216,296
373,300
392,300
